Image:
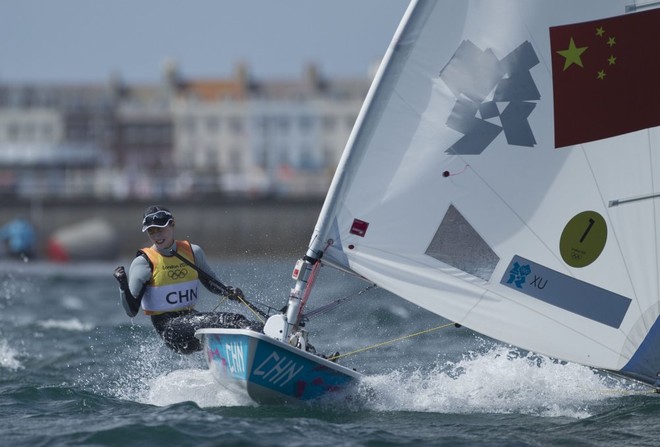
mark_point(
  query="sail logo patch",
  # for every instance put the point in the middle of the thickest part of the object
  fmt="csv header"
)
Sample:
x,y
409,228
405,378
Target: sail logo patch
x,y
479,81
359,227
518,274
565,292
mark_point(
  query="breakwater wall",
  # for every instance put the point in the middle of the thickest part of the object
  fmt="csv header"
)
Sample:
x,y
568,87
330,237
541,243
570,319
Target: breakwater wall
x,y
222,227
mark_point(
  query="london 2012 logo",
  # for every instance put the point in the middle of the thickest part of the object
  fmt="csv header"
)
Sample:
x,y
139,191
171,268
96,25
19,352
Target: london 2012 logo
x,y
482,84
177,274
518,274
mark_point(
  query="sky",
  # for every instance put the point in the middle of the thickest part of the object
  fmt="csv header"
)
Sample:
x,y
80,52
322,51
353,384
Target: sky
x,y
69,41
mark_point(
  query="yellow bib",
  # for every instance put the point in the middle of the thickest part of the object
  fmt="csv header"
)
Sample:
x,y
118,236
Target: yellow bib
x,y
174,285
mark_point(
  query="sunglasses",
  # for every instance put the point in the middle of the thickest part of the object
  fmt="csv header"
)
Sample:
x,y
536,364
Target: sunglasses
x,y
157,219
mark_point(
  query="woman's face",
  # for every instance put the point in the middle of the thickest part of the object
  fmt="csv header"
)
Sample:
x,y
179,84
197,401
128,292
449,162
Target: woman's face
x,y
162,238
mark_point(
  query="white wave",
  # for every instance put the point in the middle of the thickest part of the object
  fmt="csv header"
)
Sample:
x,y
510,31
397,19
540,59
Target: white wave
x,y
499,381
12,288
73,302
72,324
8,356
155,376
192,385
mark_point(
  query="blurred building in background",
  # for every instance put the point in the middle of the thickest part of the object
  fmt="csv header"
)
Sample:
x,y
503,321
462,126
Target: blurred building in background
x,y
238,137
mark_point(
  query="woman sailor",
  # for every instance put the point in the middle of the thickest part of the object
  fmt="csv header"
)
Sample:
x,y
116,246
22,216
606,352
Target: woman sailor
x,y
163,279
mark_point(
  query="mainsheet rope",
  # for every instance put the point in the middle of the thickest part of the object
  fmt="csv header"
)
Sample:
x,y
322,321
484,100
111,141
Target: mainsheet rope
x,y
378,345
246,304
221,286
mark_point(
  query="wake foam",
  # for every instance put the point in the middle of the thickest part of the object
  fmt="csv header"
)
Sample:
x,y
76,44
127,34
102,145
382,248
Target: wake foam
x,y
72,324
8,357
501,380
151,374
496,379
192,385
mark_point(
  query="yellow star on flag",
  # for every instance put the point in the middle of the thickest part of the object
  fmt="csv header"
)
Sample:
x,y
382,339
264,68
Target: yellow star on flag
x,y
572,54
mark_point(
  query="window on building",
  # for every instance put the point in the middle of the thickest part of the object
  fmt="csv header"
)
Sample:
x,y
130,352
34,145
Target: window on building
x,y
212,124
236,125
305,123
284,124
13,132
261,156
329,123
29,133
211,161
47,131
306,157
285,159
235,160
187,124
132,135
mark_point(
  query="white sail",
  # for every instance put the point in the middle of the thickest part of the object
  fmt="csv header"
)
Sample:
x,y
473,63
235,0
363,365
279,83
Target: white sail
x,y
458,192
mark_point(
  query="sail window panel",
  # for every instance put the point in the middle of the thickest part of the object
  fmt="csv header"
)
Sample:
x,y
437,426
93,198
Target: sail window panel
x,y
458,244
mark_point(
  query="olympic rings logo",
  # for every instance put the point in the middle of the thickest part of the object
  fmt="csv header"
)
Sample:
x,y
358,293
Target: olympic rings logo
x,y
177,274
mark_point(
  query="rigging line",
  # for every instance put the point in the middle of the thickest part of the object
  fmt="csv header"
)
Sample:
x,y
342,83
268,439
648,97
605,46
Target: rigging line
x,y
224,298
221,286
251,308
451,174
514,212
342,269
378,345
328,307
220,303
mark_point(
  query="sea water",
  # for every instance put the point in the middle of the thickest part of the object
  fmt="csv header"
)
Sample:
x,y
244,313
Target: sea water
x,y
75,370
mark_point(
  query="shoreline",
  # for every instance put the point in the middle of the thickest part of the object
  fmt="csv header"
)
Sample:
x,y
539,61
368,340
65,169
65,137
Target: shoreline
x,y
223,227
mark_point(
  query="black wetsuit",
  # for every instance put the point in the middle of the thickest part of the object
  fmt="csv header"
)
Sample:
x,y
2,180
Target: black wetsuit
x,y
177,329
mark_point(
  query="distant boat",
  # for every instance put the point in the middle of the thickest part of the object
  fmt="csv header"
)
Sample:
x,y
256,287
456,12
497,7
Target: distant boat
x,y
88,240
504,173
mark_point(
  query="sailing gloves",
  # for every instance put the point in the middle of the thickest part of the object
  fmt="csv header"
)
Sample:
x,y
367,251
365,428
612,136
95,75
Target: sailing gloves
x,y
120,276
235,294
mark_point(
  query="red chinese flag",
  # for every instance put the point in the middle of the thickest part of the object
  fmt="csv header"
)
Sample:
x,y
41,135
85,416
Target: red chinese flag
x,y
605,75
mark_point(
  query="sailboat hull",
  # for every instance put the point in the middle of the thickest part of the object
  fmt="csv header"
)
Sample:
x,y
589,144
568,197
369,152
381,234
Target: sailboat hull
x,y
269,371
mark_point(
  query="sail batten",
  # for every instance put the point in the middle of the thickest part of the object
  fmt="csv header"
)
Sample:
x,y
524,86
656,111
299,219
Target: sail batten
x,y
477,184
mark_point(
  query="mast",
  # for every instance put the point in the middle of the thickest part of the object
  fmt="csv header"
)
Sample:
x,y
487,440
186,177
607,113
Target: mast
x,y
281,327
